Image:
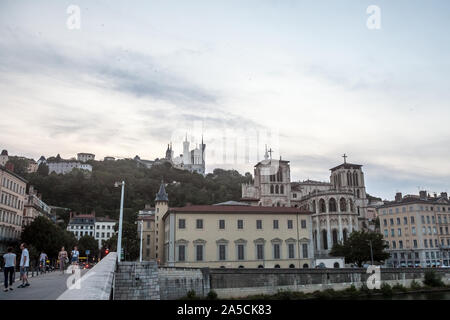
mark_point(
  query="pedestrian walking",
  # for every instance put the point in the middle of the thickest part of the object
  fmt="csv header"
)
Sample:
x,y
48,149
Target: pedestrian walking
x,y
75,255
62,256
43,262
24,265
10,264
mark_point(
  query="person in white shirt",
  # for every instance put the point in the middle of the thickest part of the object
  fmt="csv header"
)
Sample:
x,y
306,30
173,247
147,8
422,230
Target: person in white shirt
x,y
24,264
10,263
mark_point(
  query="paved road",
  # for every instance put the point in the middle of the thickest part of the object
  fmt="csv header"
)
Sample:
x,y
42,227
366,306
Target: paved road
x,y
47,286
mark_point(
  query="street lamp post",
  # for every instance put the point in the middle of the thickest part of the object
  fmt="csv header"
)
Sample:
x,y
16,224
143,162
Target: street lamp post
x,y
140,251
371,251
119,237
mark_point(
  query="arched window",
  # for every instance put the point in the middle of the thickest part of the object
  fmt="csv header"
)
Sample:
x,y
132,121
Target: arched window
x,y
315,239
344,234
277,266
335,236
313,206
282,189
241,267
322,206
349,178
260,266
351,205
324,239
305,266
271,188
277,189
355,178
291,266
343,205
336,265
358,194
332,205
279,175
278,204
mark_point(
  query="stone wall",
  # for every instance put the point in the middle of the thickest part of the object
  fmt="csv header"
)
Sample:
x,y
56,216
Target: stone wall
x,y
234,283
170,283
136,281
175,283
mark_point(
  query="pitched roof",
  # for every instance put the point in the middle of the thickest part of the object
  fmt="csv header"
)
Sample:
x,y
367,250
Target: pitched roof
x,y
347,166
162,194
104,219
4,153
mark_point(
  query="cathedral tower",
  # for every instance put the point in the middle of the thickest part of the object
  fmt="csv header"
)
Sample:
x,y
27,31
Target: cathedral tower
x,y
349,176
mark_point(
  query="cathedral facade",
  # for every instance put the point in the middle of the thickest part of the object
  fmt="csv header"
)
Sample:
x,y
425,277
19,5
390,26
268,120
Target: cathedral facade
x,y
338,207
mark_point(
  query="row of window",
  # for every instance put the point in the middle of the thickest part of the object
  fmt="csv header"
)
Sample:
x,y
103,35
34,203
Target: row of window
x,y
11,185
426,243
11,201
428,255
81,227
421,208
241,254
278,177
277,189
8,232
240,224
10,217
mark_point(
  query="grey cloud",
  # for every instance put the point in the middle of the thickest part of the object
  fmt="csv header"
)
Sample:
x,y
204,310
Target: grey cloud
x,y
121,70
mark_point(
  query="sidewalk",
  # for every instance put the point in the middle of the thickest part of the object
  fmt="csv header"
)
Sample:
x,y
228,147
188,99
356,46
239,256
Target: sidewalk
x,y
47,286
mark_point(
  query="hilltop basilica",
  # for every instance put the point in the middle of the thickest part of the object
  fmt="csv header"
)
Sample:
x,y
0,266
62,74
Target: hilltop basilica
x,y
338,206
191,160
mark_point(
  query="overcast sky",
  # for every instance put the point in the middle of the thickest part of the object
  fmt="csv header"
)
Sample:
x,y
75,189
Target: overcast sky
x,y
310,74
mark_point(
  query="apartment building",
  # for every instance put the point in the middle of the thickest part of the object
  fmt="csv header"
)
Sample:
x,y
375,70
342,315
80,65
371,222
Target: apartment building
x,y
12,200
416,229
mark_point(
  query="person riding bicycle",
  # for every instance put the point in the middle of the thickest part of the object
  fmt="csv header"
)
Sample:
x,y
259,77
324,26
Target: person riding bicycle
x,y
42,261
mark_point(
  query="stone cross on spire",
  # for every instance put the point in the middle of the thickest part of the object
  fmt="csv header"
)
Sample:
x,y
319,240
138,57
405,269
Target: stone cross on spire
x,y
270,151
345,157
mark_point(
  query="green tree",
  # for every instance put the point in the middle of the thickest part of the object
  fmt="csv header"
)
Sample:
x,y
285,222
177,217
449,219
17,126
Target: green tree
x,y
88,243
20,165
43,235
356,249
42,170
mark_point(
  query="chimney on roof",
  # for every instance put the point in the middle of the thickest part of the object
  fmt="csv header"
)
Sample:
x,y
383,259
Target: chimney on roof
x,y
147,206
423,195
444,195
398,197
188,204
70,214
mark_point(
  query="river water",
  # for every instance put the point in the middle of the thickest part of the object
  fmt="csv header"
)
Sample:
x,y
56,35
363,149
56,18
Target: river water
x,y
443,295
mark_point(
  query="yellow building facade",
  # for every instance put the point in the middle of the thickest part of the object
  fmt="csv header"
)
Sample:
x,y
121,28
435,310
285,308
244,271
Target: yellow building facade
x,y
232,236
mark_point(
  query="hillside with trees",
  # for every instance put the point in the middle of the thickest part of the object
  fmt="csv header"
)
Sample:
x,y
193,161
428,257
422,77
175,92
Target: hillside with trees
x,y
86,192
